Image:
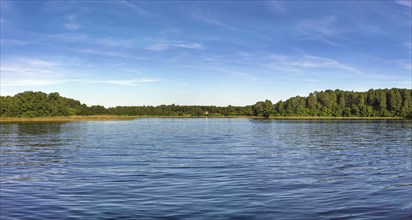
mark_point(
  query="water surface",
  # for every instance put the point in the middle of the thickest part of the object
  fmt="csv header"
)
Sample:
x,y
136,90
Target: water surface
x,y
206,169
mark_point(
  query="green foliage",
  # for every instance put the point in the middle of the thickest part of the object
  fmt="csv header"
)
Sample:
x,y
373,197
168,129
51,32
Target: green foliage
x,y
263,109
338,103
373,103
38,104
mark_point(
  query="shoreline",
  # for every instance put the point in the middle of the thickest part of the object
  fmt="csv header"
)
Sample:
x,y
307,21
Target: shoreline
x,y
126,118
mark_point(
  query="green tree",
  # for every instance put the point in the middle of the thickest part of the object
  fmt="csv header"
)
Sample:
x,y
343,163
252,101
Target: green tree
x,y
263,109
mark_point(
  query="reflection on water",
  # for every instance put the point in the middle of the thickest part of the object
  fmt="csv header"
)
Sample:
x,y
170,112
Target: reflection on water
x,y
207,169
29,150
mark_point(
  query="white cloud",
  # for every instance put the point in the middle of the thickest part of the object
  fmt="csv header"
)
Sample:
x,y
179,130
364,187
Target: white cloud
x,y
26,76
9,82
134,5
21,71
277,6
129,82
86,39
109,53
72,26
59,6
71,23
189,45
324,29
407,3
405,64
408,46
37,62
241,75
303,63
30,82
6,42
112,42
28,71
158,47
166,46
213,19
70,37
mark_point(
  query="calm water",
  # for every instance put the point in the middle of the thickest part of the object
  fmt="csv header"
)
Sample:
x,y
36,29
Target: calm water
x,y
207,169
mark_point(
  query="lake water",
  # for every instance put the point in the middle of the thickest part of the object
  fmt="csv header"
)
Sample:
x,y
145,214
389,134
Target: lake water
x,y
207,169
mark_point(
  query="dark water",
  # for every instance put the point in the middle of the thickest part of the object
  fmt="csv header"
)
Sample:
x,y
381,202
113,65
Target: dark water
x,y
207,169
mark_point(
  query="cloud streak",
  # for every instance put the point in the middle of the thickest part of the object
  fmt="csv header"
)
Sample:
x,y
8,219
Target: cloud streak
x,y
306,62
128,82
214,20
324,29
12,42
277,6
26,71
138,8
172,45
50,81
37,62
407,3
71,23
109,53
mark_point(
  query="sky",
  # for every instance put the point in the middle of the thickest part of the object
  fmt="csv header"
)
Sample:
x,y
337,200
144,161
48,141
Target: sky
x,y
219,53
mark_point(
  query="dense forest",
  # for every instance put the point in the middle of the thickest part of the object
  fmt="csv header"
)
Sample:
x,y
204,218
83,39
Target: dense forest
x,y
336,103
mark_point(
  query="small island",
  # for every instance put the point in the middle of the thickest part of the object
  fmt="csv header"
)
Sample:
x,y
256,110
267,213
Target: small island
x,y
392,103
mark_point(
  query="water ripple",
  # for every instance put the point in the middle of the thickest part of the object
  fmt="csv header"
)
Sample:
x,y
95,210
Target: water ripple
x,y
206,169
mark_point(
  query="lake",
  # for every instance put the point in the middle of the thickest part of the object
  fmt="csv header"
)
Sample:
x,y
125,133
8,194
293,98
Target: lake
x,y
207,169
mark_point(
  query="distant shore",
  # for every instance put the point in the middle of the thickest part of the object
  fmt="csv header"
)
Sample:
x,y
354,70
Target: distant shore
x,y
123,118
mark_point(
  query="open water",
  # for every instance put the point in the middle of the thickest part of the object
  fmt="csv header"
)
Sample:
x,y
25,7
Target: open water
x,y
206,169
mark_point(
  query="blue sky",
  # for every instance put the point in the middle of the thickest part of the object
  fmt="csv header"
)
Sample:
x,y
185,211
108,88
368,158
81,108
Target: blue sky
x,y
202,52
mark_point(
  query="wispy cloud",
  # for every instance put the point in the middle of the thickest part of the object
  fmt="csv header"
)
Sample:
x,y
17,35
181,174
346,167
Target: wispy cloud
x,y
12,42
408,46
23,71
407,3
405,64
189,45
323,29
72,23
30,82
112,42
158,47
134,5
95,41
50,81
304,63
77,37
59,6
20,70
21,74
213,19
33,75
277,6
109,53
170,45
37,62
241,75
128,82
28,71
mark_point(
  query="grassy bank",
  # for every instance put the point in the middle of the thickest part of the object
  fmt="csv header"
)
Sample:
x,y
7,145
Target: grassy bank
x,y
116,118
98,118
66,118
335,118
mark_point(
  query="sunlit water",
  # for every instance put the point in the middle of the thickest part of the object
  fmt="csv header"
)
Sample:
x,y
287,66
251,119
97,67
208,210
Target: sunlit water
x,y
207,169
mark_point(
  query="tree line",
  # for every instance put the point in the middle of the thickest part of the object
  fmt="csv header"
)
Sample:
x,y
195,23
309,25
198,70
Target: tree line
x,y
39,104
335,103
